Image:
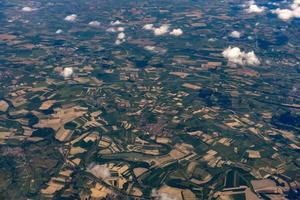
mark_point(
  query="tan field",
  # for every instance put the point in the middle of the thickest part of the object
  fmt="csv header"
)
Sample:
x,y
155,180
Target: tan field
x,y
253,154
139,171
47,104
99,191
191,86
77,150
63,134
180,74
60,117
52,188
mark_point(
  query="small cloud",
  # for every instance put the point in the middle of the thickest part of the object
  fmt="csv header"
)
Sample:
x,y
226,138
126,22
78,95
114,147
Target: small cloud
x,y
253,8
284,14
236,56
162,30
111,29
155,49
67,72
99,171
120,29
94,23
59,31
117,22
121,36
150,48
296,12
212,39
295,4
162,195
148,27
274,3
71,18
176,32
117,29
120,41
235,34
28,9
287,14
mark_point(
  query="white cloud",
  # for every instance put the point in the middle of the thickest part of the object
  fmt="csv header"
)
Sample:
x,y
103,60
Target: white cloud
x,y
120,29
284,14
236,56
99,171
117,29
163,29
162,195
155,49
118,41
212,39
111,29
294,6
252,59
148,27
28,9
296,12
150,48
71,18
287,14
176,32
253,8
121,36
273,3
94,23
117,22
59,31
67,72
235,34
